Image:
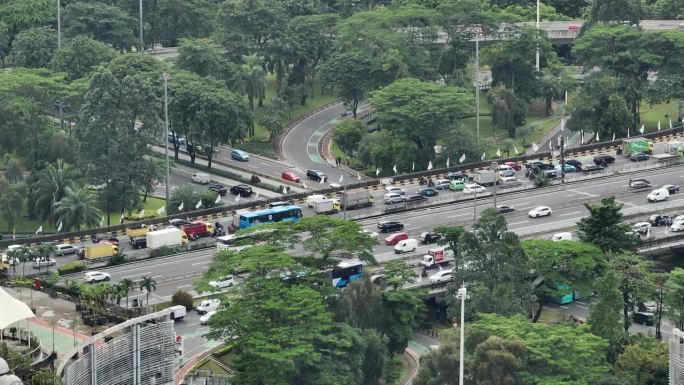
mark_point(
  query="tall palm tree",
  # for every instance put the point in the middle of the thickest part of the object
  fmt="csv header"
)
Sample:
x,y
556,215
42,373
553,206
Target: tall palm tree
x,y
116,293
43,252
78,208
149,284
184,195
50,187
126,285
251,79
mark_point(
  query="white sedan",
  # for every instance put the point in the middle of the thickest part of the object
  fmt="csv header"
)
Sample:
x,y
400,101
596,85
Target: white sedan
x,y
441,276
394,189
38,263
540,211
223,282
677,226
473,188
370,233
207,317
96,276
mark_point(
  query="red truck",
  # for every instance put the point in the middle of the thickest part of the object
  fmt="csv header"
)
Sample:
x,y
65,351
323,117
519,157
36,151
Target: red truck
x,y
436,257
198,229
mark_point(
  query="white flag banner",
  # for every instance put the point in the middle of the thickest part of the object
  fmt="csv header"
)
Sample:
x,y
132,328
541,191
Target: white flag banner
x,y
377,172
670,122
162,209
462,159
237,198
304,185
535,148
429,166
550,146
256,197
40,230
59,228
199,204
659,125
121,220
582,138
627,132
142,213
498,152
181,206
484,155
413,166
642,129
394,169
558,140
562,124
341,178
515,149
447,162
218,199
358,176
597,137
613,136
321,181
102,221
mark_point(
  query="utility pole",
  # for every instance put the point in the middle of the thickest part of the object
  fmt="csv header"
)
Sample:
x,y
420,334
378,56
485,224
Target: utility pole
x,y
477,84
538,25
495,167
475,205
166,138
562,158
59,46
142,44
462,294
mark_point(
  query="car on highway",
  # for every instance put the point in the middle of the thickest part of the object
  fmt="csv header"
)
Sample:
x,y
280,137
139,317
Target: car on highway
x,y
660,220
573,27
677,226
415,198
395,238
641,228
311,199
428,191
394,189
514,165
539,211
389,226
473,188
507,173
509,181
207,317
639,183
601,159
179,222
223,282
65,249
644,318
105,238
441,276
592,168
96,276
201,178
503,209
242,190
456,175
370,233
177,139
240,155
457,185
568,168
442,184
638,157
671,188
574,163
290,175
658,195
218,188
316,175
392,198
428,237
45,262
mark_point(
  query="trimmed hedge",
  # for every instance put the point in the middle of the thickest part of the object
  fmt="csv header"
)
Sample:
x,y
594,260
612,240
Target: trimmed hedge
x,y
71,267
163,251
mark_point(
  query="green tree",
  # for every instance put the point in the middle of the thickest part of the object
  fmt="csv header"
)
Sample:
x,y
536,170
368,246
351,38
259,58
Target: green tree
x,y
360,305
614,11
400,309
50,187
276,113
173,20
14,171
353,73
46,376
80,54
4,42
331,239
439,367
604,227
644,362
184,196
632,272
506,111
11,202
250,26
397,274
555,80
126,285
451,237
604,317
674,299
106,23
347,135
375,358
24,14
200,56
659,282
600,105
149,285
34,47
499,361
78,208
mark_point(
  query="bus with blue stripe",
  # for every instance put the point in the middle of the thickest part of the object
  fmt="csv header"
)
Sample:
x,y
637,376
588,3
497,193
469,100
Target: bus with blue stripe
x,y
289,213
347,272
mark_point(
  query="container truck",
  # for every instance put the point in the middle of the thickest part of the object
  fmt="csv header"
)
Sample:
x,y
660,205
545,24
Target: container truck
x,y
485,177
198,229
325,206
166,237
356,199
141,231
635,145
436,257
100,250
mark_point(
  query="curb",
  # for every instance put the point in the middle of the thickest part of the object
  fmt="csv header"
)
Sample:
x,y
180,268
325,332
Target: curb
x,y
184,368
286,131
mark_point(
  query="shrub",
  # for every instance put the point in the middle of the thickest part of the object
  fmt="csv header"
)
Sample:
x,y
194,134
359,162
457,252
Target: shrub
x,y
71,267
117,259
182,298
163,251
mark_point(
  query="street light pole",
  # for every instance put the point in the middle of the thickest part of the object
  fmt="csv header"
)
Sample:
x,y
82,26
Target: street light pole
x,y
166,138
477,84
59,24
142,44
495,167
462,292
538,25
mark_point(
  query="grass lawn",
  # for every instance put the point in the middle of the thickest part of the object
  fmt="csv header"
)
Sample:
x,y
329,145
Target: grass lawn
x,y
212,367
663,112
550,315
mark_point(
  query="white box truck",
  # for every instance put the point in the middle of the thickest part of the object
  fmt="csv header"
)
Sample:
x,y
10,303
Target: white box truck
x,y
324,206
356,199
166,237
178,312
485,177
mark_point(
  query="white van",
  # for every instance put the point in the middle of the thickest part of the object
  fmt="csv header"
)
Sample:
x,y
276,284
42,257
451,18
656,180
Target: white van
x,y
208,305
562,237
658,195
406,245
201,178
314,198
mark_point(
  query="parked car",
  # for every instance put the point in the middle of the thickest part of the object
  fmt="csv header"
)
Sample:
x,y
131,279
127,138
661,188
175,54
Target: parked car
x,y
201,178
504,209
441,276
218,188
442,184
638,157
643,317
179,222
46,262
96,276
290,175
592,168
641,228
430,237
456,175
395,238
389,226
415,198
540,211
428,191
392,198
574,163
671,188
240,155
473,188
370,233
223,282
106,238
639,183
457,185
207,317
316,175
242,189
567,169
514,165
677,226
394,189
65,249
600,159
660,220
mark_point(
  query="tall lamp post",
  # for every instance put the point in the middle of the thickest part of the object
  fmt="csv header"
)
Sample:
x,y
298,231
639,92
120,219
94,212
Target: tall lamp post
x,y
495,167
59,46
477,84
142,44
538,25
462,293
166,138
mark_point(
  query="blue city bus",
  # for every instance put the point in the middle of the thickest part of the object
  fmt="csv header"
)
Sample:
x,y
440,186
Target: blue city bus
x,y
561,294
288,213
346,272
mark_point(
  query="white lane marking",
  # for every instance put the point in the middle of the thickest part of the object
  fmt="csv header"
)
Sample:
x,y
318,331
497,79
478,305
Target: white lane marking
x,y
135,275
630,204
583,193
184,286
582,307
193,324
459,215
571,213
157,276
517,223
200,263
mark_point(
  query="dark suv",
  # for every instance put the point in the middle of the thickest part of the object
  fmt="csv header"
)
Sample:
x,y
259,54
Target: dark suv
x,y
601,159
242,190
219,189
660,220
643,317
316,175
388,227
574,163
